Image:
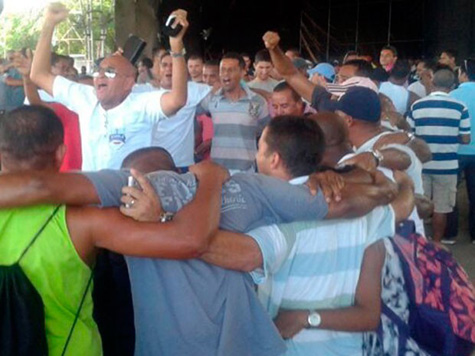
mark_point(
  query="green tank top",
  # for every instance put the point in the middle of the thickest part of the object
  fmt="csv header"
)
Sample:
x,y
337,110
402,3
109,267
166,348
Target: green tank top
x,y
57,272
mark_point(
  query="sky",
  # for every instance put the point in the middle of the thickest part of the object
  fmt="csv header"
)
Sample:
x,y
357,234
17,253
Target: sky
x,y
19,6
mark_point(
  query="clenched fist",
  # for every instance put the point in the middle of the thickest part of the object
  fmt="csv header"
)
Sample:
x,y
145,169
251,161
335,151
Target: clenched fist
x,y
271,40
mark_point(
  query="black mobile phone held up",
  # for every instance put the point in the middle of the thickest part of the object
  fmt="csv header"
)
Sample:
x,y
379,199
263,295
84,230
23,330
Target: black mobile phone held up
x,y
168,30
133,48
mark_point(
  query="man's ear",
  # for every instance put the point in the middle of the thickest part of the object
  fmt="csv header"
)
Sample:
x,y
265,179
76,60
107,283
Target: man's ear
x,y
349,120
59,155
276,160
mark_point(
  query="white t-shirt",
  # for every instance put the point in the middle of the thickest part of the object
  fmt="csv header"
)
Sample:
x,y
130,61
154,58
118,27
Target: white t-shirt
x,y
398,95
176,135
418,89
316,265
108,136
414,171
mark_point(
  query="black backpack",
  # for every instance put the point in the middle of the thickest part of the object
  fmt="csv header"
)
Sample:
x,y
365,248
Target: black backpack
x,y
22,318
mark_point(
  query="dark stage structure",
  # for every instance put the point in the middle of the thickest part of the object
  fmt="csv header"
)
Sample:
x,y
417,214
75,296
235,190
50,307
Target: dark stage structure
x,y
322,29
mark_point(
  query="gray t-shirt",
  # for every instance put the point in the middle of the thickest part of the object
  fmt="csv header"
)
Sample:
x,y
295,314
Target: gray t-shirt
x,y
191,307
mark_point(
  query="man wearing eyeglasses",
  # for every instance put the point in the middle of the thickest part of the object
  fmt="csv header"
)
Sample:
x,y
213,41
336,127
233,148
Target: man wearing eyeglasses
x,y
113,120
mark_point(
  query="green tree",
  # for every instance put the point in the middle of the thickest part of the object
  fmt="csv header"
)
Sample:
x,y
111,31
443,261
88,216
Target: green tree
x,y
22,30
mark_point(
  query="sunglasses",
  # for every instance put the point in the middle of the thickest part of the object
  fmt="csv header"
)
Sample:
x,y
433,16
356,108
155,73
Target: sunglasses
x,y
108,72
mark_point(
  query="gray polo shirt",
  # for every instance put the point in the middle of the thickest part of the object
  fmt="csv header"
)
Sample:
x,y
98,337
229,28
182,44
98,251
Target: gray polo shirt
x,y
191,307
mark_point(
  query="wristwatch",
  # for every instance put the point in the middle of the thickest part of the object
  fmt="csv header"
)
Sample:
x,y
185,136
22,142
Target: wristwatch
x,y
165,217
314,319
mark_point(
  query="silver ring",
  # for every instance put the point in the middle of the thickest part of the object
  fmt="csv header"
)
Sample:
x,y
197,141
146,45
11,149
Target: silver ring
x,y
132,202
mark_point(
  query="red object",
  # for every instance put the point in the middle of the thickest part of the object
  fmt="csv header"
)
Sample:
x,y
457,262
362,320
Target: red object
x,y
72,137
208,131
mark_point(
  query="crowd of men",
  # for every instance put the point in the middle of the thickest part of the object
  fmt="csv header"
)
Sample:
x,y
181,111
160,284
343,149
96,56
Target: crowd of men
x,y
304,173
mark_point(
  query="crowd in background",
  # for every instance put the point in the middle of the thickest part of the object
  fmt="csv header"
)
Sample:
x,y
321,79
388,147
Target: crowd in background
x,y
267,170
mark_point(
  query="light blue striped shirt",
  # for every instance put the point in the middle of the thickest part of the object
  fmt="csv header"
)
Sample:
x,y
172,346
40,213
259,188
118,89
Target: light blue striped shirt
x,y
316,265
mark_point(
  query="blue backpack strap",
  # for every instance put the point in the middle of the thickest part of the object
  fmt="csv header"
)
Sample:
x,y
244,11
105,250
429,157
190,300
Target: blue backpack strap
x,y
403,328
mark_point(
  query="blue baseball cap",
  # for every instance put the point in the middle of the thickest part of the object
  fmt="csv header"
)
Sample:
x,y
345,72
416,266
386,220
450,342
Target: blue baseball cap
x,y
361,103
324,69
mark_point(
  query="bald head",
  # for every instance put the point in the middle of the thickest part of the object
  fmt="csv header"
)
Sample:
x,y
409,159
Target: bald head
x,y
444,79
335,130
121,64
150,159
333,126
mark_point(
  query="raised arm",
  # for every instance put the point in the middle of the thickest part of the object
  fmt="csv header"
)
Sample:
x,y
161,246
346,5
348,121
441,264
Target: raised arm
x,y
174,100
284,66
23,65
41,67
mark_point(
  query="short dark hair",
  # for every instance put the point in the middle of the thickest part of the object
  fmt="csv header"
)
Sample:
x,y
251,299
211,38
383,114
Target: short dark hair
x,y
444,78
363,68
298,140
212,63
400,70
262,56
196,56
450,52
147,62
282,86
390,48
157,50
55,58
30,132
468,67
236,56
428,63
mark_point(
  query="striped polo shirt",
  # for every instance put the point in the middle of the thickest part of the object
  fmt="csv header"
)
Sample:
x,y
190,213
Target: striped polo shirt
x,y
439,120
237,125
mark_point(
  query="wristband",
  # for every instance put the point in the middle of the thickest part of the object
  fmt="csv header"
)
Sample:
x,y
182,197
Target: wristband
x,y
178,54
